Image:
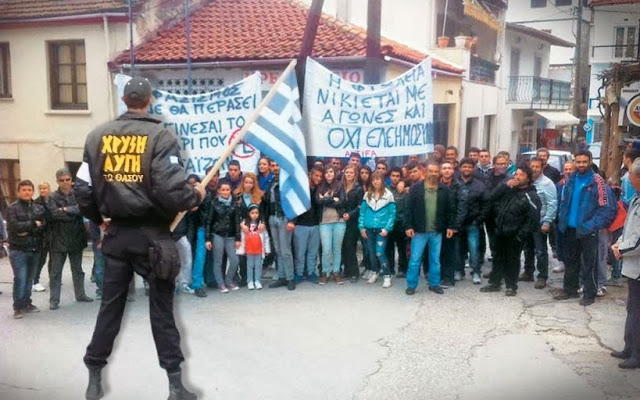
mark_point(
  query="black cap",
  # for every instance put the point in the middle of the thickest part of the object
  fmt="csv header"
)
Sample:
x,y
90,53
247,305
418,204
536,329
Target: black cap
x,y
137,89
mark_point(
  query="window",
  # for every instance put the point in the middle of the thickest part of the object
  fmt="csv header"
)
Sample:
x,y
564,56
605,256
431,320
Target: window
x,y
537,66
515,62
5,71
9,178
625,42
538,3
563,2
68,76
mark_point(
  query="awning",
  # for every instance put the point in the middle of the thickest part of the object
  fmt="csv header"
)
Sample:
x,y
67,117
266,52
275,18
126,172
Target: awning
x,y
477,10
559,117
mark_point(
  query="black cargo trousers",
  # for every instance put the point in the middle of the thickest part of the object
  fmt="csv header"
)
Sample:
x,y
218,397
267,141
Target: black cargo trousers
x,y
127,249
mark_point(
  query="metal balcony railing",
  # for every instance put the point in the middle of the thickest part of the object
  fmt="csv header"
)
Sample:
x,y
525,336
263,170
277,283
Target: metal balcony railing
x,y
482,70
540,91
626,51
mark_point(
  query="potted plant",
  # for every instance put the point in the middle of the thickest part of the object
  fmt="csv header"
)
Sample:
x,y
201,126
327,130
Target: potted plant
x,y
443,42
461,41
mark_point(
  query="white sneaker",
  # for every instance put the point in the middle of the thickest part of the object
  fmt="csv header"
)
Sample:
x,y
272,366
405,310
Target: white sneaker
x,y
223,289
250,286
387,281
187,289
477,280
558,269
373,278
581,290
258,285
456,276
38,288
366,274
601,291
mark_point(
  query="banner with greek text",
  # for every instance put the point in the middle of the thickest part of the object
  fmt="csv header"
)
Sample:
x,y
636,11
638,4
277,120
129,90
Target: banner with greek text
x,y
205,124
394,118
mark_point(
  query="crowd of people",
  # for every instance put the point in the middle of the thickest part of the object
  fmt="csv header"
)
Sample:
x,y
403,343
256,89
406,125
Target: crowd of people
x,y
437,215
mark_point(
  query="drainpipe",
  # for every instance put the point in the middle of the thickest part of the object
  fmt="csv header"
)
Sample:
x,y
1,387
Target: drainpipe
x,y
107,45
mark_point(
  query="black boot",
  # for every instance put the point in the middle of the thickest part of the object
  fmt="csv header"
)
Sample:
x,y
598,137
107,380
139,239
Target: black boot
x,y
176,390
94,390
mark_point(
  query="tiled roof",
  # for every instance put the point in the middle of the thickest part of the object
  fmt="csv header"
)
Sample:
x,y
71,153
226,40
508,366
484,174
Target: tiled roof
x,y
546,36
16,10
238,30
595,3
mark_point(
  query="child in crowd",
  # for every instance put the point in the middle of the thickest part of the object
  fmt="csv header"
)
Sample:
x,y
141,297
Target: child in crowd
x,y
223,236
254,245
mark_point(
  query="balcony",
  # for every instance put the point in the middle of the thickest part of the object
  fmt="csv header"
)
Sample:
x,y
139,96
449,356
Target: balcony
x,y
619,52
539,93
482,71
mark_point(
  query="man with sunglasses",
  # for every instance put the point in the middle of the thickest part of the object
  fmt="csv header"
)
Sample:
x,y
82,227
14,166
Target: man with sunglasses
x,y
68,238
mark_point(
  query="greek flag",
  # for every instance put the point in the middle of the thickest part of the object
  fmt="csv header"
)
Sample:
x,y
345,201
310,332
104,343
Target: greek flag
x,y
277,135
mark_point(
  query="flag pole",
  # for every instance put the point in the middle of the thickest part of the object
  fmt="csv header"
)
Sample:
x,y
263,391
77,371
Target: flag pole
x,y
232,145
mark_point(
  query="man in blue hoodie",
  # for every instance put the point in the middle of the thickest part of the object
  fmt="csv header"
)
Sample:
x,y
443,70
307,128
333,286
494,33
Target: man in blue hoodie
x,y
586,206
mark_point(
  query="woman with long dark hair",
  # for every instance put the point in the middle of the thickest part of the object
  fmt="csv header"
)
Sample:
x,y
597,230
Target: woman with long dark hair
x,y
377,216
354,193
331,199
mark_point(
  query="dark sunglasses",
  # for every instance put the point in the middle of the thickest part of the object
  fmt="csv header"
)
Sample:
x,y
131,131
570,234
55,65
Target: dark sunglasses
x,y
64,180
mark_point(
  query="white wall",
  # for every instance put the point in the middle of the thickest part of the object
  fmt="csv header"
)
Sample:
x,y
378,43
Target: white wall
x,y
520,11
44,139
529,47
478,101
406,21
605,20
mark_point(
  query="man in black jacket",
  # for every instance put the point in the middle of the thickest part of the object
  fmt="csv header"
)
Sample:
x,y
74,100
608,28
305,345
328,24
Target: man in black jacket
x,y
281,233
397,238
68,238
517,214
132,174
429,215
450,251
477,209
25,220
306,234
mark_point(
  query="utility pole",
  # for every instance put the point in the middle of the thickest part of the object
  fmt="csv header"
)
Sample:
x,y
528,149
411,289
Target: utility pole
x,y
131,54
577,90
374,57
310,31
188,33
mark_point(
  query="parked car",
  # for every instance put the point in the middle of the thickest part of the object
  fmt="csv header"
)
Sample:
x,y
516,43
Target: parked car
x,y
557,158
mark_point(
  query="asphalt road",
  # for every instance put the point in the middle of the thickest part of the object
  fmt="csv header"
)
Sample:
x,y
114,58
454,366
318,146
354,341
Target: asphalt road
x,y
357,341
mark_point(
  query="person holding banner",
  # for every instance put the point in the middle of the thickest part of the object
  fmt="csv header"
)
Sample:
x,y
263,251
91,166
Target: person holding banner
x,y
331,199
135,202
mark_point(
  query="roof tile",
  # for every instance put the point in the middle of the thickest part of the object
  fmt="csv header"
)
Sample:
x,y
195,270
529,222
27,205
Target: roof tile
x,y
234,30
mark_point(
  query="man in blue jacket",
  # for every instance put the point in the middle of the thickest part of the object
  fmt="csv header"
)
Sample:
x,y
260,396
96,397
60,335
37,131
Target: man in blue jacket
x,y
586,206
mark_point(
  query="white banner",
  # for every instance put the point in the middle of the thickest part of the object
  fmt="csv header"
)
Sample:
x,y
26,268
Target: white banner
x,y
394,118
205,124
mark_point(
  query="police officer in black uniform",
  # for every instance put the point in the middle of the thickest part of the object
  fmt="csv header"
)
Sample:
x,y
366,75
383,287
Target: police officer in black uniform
x,y
132,183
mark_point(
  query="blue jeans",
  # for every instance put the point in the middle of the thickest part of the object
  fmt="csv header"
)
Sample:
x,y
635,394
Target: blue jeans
x,y
418,243
198,262
306,243
471,234
377,245
254,267
24,265
331,236
98,265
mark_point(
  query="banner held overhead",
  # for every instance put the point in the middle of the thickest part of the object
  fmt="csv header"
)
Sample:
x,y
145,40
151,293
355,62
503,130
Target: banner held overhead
x,y
394,118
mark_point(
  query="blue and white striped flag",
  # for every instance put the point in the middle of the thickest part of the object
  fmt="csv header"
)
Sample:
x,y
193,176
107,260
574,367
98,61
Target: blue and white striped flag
x,y
276,134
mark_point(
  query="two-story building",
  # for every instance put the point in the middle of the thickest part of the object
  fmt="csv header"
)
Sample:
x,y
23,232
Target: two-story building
x,y
616,39
54,83
265,36
536,105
